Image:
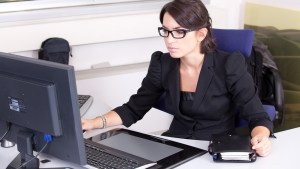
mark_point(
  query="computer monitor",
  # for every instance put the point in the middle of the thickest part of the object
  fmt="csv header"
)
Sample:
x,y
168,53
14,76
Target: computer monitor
x,y
38,104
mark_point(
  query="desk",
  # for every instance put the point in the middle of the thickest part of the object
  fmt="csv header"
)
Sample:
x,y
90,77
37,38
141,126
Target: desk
x,y
284,155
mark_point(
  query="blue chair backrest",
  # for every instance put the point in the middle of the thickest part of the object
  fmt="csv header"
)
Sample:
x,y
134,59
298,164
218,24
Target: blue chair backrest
x,y
232,40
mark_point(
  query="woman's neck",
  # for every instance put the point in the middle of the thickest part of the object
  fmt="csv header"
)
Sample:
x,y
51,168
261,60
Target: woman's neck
x,y
190,68
192,62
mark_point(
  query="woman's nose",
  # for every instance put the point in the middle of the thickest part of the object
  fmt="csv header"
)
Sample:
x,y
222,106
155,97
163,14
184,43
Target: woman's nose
x,y
169,39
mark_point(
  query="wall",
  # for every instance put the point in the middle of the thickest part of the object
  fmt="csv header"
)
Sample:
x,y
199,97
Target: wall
x,y
282,15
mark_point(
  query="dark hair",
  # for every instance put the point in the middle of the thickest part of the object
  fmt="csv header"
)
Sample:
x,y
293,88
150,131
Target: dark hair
x,y
193,15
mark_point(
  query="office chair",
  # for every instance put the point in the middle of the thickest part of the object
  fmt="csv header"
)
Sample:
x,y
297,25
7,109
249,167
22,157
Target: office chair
x,y
241,40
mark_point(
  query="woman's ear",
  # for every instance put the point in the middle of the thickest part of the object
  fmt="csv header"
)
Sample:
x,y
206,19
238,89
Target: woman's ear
x,y
201,34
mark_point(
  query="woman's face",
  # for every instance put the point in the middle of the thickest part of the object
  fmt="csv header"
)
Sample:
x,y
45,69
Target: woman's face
x,y
178,48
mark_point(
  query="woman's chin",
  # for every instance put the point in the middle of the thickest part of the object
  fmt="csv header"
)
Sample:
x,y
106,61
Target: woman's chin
x,y
175,55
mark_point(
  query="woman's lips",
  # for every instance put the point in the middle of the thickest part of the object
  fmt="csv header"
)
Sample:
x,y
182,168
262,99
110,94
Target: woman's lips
x,y
172,50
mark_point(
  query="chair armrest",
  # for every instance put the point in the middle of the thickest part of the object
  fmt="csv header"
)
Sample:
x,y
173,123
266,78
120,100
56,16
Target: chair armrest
x,y
278,95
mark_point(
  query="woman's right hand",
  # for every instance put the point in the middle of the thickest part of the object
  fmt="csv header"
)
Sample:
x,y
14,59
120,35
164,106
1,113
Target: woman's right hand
x,y
89,124
111,119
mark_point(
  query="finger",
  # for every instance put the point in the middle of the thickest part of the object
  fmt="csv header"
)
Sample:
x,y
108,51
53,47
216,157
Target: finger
x,y
265,146
264,151
86,127
254,141
83,121
261,143
84,124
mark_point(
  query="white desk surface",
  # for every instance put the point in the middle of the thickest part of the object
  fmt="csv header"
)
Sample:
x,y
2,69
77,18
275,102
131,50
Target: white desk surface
x,y
284,155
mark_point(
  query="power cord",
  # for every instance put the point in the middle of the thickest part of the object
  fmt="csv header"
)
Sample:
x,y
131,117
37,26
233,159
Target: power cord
x,y
8,128
48,139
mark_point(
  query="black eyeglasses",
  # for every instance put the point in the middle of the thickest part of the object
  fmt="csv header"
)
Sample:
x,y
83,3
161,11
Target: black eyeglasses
x,y
177,34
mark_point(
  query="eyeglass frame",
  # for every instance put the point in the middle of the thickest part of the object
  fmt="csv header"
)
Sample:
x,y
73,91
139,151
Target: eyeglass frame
x,y
185,31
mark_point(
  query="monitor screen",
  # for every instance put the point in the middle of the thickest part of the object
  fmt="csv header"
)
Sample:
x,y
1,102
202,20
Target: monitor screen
x,y
39,99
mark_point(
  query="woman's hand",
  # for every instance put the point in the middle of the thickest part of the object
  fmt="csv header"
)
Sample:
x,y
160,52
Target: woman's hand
x,y
261,144
89,124
260,140
112,119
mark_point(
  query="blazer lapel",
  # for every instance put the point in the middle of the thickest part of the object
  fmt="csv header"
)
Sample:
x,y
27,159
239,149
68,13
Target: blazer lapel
x,y
173,84
204,80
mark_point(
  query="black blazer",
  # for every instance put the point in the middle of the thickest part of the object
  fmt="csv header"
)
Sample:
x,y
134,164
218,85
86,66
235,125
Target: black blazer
x,y
224,85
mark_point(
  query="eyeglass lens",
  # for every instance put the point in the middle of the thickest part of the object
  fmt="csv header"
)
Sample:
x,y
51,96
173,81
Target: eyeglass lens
x,y
178,34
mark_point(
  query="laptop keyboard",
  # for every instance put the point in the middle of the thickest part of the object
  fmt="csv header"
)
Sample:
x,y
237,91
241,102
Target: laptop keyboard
x,y
99,157
85,102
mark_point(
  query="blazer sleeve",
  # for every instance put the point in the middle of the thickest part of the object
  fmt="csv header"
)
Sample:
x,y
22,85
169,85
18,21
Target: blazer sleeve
x,y
147,95
244,93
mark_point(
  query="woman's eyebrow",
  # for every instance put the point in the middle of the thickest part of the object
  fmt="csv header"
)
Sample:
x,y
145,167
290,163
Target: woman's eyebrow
x,y
176,28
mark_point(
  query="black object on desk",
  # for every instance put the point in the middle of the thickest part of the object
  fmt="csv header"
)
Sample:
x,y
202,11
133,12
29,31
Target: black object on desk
x,y
140,148
85,102
231,148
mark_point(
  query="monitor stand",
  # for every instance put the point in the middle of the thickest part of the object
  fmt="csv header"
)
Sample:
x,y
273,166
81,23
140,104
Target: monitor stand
x,y
6,144
24,144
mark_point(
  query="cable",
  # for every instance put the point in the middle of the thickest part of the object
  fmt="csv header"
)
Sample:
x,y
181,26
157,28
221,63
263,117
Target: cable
x,y
8,128
48,139
22,165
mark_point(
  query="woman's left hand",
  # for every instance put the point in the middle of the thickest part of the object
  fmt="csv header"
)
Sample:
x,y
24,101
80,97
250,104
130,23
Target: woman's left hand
x,y
261,144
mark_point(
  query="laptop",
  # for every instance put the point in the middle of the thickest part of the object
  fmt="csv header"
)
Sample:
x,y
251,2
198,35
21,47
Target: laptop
x,y
136,150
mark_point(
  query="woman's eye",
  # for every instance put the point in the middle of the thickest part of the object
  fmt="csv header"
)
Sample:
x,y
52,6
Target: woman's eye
x,y
180,31
165,31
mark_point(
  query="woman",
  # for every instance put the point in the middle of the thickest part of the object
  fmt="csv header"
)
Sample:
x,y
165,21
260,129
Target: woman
x,y
203,86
